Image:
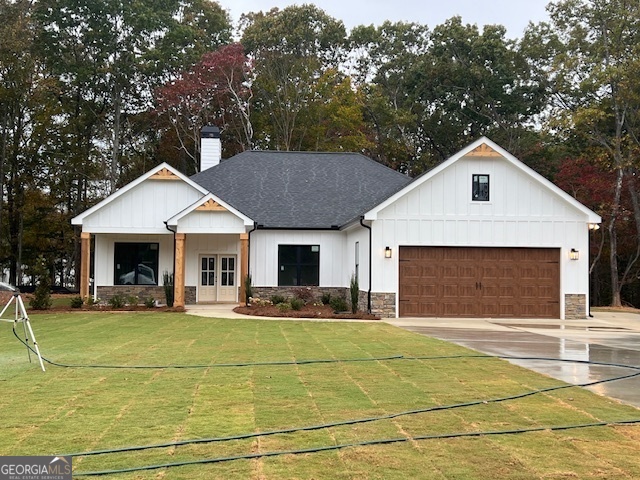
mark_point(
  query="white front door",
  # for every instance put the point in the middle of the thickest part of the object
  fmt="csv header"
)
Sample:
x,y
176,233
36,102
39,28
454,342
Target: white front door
x,y
207,287
218,279
227,289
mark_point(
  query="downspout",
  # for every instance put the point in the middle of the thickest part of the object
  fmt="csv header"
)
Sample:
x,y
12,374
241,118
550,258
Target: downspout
x,y
166,225
370,263
255,226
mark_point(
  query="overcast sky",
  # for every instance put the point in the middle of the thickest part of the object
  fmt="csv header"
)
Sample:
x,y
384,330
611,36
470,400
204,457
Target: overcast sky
x,y
513,14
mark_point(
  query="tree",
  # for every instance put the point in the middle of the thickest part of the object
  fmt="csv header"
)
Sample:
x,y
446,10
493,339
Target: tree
x,y
217,90
333,120
471,83
291,48
27,110
104,58
382,56
109,55
593,49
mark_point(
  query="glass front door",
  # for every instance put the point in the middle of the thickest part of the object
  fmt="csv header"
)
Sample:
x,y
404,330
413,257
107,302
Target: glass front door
x,y
207,288
218,279
227,290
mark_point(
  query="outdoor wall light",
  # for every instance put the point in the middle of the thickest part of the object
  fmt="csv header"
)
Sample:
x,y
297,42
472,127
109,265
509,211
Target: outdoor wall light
x,y
387,252
574,254
594,226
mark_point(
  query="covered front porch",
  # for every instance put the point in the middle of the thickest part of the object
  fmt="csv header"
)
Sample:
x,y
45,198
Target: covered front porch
x,y
215,266
205,247
206,268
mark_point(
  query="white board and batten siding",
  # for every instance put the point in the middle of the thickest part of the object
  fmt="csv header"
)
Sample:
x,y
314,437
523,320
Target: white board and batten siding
x,y
521,212
143,209
357,241
222,222
264,255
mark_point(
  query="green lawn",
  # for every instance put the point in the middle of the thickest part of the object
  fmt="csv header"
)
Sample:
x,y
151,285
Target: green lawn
x,y
68,410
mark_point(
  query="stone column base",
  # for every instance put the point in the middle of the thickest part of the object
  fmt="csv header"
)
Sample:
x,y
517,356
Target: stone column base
x,y
575,306
383,304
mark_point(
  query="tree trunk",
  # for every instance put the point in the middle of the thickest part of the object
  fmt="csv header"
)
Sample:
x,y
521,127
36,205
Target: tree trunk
x,y
115,154
616,285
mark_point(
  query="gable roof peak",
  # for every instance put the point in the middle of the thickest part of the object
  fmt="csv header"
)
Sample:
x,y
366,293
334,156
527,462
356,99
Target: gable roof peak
x,y
164,172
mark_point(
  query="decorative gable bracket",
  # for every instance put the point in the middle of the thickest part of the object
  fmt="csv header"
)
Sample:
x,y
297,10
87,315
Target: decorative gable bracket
x,y
483,150
211,206
164,174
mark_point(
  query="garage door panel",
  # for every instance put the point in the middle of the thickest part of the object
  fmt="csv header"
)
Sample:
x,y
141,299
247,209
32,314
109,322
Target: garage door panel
x,y
509,272
482,282
461,291
547,292
509,291
459,309
508,309
467,272
491,291
490,310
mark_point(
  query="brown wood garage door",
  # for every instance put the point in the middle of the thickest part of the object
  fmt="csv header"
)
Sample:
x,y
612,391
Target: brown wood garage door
x,y
479,282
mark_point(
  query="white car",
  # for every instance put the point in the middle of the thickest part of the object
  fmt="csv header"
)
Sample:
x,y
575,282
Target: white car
x,y
146,276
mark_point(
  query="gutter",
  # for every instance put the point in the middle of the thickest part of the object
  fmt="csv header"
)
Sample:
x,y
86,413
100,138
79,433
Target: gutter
x,y
370,263
331,228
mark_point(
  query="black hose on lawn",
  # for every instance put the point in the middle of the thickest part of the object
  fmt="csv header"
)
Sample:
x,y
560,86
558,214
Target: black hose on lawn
x,y
352,421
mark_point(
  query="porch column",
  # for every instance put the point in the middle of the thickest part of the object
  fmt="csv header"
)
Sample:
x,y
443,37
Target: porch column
x,y
85,264
178,276
244,265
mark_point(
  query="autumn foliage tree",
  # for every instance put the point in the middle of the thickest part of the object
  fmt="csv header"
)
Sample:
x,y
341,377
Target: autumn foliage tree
x,y
217,90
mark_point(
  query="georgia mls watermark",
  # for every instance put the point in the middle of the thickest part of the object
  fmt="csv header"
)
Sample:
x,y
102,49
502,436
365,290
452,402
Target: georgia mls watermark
x,y
35,468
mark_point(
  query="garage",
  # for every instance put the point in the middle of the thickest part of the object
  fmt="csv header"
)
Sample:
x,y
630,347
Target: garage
x,y
479,282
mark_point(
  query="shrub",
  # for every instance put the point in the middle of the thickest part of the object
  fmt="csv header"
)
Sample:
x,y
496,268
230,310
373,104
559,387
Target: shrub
x,y
117,301
259,302
326,298
132,300
42,296
150,302
248,288
303,293
296,303
339,304
77,302
167,281
354,290
284,306
92,301
277,299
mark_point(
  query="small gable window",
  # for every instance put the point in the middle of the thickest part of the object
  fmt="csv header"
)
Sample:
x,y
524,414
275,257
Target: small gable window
x,y
480,188
298,265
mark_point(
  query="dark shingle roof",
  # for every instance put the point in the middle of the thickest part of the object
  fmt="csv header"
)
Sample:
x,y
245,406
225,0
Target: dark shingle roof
x,y
301,189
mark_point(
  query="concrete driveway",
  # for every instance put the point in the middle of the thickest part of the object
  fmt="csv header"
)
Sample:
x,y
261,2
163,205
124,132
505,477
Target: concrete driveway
x,y
608,337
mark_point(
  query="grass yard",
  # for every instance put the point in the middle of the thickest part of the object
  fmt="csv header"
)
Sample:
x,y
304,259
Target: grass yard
x,y
67,410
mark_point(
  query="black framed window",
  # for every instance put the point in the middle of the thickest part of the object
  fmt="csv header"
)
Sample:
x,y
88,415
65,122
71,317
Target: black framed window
x,y
298,265
135,264
480,188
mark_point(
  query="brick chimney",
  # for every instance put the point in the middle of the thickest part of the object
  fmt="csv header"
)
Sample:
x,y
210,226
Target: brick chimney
x,y
210,147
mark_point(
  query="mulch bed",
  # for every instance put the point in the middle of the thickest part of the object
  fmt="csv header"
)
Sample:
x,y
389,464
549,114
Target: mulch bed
x,y
308,311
